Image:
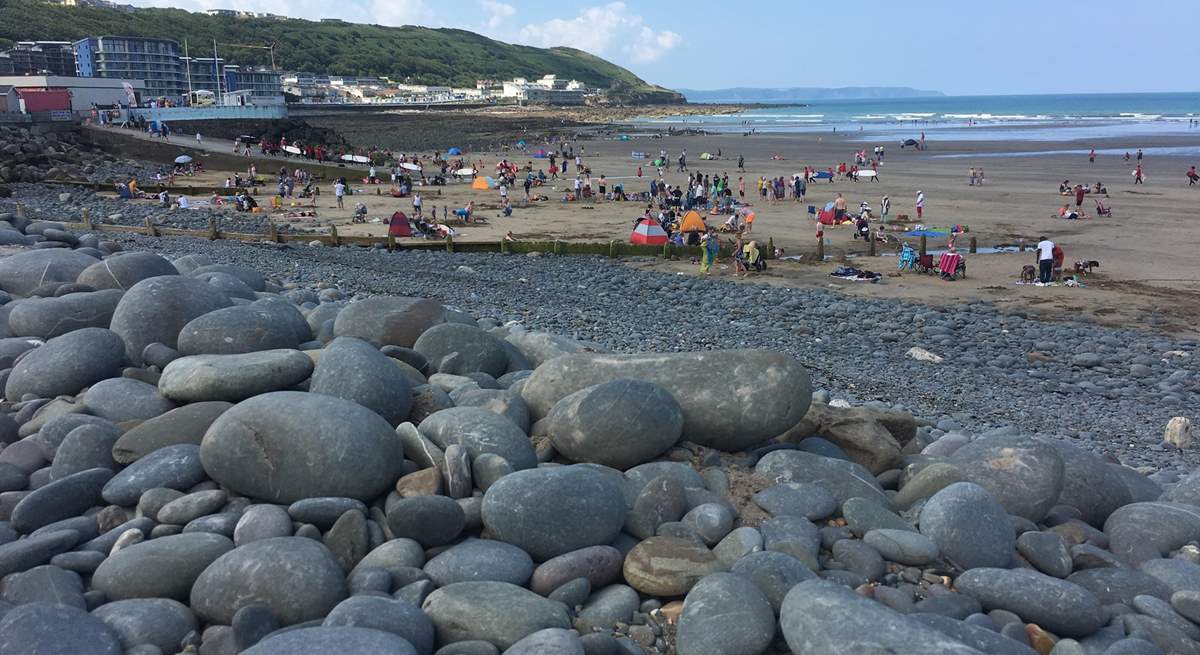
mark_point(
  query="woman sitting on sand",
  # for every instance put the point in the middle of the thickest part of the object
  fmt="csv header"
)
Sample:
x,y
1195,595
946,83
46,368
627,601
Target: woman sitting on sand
x,y
1070,214
1064,189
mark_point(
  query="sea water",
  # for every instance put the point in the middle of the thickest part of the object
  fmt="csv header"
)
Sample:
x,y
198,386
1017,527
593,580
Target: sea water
x,y
974,118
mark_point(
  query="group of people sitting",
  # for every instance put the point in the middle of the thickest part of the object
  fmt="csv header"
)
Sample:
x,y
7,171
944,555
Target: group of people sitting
x,y
1065,189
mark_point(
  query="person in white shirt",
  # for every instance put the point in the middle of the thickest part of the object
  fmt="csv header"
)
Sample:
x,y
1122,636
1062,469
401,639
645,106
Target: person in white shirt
x,y
1045,249
183,202
339,192
503,192
416,200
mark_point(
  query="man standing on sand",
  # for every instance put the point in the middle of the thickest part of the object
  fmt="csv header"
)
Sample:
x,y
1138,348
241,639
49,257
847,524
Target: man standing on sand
x,y
885,206
416,202
1078,196
742,186
741,163
1092,156
339,192
920,204
1045,249
839,209
972,174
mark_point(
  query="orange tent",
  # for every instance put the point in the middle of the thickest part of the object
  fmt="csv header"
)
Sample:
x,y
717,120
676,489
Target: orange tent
x,y
692,222
480,184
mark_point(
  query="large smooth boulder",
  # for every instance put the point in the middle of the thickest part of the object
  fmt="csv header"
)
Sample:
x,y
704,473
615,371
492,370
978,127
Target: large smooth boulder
x,y
54,629
1025,475
23,272
251,277
819,616
669,566
62,499
480,431
478,560
297,578
159,622
231,378
394,616
155,310
53,317
1144,531
969,526
843,479
165,567
66,364
238,329
182,425
289,445
354,370
125,399
551,511
856,430
125,270
1062,607
175,467
620,424
731,399
459,349
323,640
1090,484
389,320
496,612
541,347
725,613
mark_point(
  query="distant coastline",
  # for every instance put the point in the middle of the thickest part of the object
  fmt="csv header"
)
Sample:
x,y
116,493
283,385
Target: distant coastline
x,y
803,95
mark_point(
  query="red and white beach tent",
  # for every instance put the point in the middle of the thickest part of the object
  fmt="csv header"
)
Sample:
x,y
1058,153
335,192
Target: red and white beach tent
x,y
648,233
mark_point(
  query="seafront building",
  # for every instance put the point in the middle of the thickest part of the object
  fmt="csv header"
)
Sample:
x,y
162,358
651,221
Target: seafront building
x,y
38,58
155,61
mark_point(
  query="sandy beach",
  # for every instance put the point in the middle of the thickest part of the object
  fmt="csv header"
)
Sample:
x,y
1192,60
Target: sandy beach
x,y
1144,249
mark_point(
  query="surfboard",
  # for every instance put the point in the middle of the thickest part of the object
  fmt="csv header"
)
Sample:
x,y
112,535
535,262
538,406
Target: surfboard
x,y
464,172
410,167
292,149
867,173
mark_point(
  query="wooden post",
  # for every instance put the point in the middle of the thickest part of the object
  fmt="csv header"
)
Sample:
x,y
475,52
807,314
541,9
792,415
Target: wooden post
x,y
272,232
924,244
974,246
333,237
612,249
191,191
20,211
503,247
449,243
87,219
770,248
150,232
667,250
871,243
820,249
212,229
1021,244
391,241
378,191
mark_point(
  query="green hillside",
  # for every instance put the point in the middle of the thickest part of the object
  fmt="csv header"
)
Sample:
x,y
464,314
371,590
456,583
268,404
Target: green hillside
x,y
417,54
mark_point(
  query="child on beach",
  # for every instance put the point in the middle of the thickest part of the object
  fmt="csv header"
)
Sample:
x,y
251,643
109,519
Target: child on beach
x,y
920,204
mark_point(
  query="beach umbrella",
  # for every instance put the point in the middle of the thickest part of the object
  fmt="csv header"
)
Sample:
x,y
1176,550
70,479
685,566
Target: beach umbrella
x,y
454,151
648,233
410,167
183,159
829,206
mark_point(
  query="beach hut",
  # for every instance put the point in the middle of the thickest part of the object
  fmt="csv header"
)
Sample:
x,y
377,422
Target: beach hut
x,y
482,183
692,222
648,233
399,226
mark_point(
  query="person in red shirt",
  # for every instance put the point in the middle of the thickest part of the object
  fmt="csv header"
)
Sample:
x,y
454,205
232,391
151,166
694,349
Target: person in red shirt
x,y
1138,178
1078,195
1193,177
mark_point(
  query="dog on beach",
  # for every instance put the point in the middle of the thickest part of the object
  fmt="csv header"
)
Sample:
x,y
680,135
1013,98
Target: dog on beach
x,y
1085,266
1028,273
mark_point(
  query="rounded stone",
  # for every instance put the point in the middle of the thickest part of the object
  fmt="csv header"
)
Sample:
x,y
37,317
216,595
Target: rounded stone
x,y
233,377
174,467
354,370
551,641
722,394
806,500
459,349
323,640
969,527
902,546
58,500
125,399
159,622
66,364
397,617
249,276
600,565
388,320
1024,475
53,317
155,310
23,272
236,330
85,447
1090,484
607,607
774,574
668,566
53,629
551,511
725,613
1047,551
297,578
620,424
478,560
1062,607
165,567
501,401
496,612
287,445
430,520
480,431
843,479
125,270
262,522
183,425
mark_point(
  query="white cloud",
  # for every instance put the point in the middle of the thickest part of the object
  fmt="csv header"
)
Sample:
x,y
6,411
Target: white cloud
x,y
498,13
604,30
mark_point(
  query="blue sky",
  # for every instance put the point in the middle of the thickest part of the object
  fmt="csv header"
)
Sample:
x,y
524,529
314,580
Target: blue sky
x,y
961,48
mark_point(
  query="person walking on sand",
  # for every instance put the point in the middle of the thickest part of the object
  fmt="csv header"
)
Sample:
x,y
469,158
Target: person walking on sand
x,y
711,245
920,204
198,138
1045,249
742,186
885,206
741,164
1139,155
1138,177
1092,156
339,192
972,174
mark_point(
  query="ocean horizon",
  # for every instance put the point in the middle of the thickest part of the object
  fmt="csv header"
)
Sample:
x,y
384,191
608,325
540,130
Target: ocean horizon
x,y
1052,117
